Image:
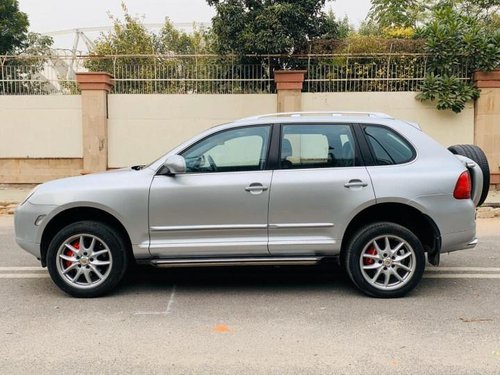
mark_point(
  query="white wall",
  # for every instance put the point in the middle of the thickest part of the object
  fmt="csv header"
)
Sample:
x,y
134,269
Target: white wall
x,y
143,127
40,126
446,127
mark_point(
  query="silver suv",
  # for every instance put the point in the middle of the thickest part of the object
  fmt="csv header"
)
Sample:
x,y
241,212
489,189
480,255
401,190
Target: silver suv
x,y
372,191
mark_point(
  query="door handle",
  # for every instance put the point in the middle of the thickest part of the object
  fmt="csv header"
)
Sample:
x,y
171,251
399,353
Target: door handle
x,y
256,187
355,183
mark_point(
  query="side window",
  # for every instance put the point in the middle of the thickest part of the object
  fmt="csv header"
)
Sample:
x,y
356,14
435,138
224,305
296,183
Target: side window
x,y
317,146
243,149
388,147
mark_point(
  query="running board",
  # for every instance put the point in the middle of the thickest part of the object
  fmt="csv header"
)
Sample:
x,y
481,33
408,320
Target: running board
x,y
255,261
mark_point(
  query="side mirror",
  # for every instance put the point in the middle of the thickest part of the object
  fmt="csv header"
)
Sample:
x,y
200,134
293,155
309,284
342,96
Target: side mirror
x,y
175,164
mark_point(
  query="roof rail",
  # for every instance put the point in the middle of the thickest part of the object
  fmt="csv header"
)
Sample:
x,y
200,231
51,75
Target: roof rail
x,y
321,113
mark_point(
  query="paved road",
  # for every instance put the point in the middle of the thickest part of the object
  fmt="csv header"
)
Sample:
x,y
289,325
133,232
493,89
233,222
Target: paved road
x,y
288,320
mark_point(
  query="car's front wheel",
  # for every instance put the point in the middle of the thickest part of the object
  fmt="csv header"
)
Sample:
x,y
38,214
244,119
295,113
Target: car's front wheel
x,y
87,259
385,260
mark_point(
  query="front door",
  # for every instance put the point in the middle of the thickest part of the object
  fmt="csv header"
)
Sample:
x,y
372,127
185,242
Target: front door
x,y
318,188
219,206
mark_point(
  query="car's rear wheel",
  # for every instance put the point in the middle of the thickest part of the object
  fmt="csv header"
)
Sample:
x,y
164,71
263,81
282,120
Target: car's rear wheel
x,y
87,259
475,153
385,260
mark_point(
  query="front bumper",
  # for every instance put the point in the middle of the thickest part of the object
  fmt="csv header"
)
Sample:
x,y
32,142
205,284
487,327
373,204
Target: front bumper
x,y
28,224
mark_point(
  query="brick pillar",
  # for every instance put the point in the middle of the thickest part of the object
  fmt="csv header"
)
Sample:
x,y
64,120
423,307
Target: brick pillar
x,y
289,87
95,88
487,120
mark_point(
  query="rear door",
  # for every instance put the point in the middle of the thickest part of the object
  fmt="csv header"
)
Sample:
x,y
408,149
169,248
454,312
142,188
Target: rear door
x,y
318,187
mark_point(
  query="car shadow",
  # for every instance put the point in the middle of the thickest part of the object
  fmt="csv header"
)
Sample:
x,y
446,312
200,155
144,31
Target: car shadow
x,y
324,276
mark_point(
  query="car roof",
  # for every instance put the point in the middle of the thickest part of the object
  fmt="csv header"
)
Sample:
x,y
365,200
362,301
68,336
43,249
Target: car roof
x,y
318,114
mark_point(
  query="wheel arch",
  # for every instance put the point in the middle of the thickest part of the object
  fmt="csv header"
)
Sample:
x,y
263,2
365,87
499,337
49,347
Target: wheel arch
x,y
410,217
75,214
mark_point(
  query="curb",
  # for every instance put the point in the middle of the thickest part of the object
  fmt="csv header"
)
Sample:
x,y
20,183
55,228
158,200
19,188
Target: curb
x,y
8,207
488,212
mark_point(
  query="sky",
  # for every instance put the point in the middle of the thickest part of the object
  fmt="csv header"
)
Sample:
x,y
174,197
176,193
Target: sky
x,y
55,15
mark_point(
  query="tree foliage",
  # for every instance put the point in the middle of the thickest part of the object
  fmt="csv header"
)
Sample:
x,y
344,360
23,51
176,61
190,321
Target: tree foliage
x,y
369,27
13,27
460,38
335,28
268,26
399,13
143,61
131,37
20,75
127,37
171,40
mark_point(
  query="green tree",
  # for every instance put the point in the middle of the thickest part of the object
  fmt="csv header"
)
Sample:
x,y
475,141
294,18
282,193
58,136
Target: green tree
x,y
127,37
399,13
131,37
127,40
36,44
415,13
369,27
13,26
267,27
21,74
145,62
172,40
345,28
335,28
461,38
483,10
331,26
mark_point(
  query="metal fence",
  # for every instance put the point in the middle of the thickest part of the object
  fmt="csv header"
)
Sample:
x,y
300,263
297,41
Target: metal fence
x,y
153,74
181,78
37,76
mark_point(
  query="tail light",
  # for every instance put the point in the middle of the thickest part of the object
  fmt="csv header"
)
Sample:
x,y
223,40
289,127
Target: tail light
x,y
464,186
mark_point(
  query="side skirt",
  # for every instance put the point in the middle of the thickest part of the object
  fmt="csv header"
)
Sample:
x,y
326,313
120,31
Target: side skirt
x,y
243,261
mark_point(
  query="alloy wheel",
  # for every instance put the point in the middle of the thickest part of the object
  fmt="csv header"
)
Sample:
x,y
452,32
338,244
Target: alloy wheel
x,y
84,261
388,262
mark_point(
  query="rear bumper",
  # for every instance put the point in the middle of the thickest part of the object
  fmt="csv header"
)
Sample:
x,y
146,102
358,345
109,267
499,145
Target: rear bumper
x,y
472,244
459,241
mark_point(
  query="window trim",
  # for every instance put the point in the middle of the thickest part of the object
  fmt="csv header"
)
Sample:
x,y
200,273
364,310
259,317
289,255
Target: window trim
x,y
163,171
369,148
358,157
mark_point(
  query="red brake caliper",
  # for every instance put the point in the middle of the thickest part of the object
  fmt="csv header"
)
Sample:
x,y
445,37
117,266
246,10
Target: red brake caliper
x,y
369,261
76,245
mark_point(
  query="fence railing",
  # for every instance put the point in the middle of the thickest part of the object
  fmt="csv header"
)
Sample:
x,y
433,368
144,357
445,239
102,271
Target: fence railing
x,y
210,74
180,78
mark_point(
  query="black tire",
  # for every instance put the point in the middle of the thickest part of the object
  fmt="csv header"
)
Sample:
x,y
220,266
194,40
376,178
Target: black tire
x,y
361,242
114,252
475,153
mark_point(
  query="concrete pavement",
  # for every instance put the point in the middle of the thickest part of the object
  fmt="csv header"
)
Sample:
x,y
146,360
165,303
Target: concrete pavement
x,y
286,320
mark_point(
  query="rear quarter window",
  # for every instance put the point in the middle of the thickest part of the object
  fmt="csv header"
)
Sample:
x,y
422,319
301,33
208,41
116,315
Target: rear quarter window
x,y
388,147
